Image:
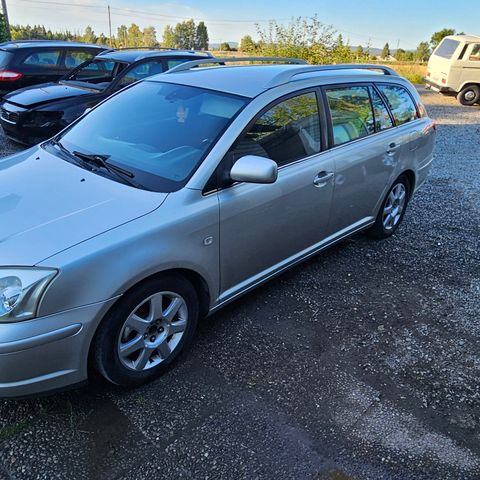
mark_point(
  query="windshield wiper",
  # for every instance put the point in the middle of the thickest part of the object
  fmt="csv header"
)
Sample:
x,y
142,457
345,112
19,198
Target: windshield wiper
x,y
101,161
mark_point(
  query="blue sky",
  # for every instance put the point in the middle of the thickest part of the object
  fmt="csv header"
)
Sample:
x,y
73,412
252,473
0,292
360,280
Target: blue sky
x,y
406,22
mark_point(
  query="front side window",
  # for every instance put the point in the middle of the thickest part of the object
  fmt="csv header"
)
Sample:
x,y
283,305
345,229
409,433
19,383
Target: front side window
x,y
43,59
287,132
161,132
351,113
73,58
96,71
141,71
475,53
380,111
447,48
400,102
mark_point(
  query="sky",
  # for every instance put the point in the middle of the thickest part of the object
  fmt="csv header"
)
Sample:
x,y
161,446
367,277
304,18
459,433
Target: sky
x,y
403,23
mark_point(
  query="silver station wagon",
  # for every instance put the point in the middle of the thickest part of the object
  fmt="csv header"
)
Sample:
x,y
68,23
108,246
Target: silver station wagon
x,y
181,193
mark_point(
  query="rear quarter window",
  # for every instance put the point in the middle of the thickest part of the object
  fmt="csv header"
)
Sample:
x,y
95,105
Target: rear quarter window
x,y
400,103
447,48
4,58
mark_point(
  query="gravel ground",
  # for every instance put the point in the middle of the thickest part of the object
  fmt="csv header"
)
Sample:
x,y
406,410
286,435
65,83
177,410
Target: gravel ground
x,y
360,363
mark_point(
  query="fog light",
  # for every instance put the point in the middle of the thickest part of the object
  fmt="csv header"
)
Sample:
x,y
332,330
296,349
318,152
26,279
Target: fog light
x,y
10,294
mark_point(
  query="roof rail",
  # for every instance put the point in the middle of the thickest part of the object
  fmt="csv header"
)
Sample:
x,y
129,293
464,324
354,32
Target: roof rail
x,y
287,75
122,49
195,63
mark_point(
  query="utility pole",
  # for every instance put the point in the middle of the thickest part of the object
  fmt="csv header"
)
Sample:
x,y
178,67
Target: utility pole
x,y
5,16
109,25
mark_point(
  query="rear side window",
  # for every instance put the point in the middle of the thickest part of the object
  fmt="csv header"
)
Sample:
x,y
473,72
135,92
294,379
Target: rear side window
x,y
43,59
380,111
287,132
4,58
447,48
400,102
351,113
475,54
178,61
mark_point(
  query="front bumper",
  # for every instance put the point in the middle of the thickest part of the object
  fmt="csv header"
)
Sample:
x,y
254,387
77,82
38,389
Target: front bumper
x,y
48,353
27,135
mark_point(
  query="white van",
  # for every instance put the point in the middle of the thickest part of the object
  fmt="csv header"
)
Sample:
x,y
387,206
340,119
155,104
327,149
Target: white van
x,y
454,68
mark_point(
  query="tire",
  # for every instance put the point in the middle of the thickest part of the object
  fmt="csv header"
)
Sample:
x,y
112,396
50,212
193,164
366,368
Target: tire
x,y
469,96
396,200
146,330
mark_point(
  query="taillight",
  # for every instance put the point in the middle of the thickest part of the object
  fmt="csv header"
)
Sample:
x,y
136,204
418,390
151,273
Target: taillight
x,y
9,76
434,126
444,80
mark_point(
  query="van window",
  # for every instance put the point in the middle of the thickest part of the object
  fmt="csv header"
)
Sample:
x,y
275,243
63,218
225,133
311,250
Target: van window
x,y
446,48
287,132
475,55
351,113
400,102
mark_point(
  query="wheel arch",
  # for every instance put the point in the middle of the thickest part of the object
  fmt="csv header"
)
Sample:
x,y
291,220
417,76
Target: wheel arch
x,y
410,176
468,84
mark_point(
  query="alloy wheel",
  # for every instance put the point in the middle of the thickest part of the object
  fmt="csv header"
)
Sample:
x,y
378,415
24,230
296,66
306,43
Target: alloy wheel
x,y
152,331
394,206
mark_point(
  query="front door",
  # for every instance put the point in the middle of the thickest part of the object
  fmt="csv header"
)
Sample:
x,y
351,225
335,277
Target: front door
x,y
266,227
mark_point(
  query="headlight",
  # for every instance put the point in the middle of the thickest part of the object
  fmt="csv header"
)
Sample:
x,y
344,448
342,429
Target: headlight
x,y
21,290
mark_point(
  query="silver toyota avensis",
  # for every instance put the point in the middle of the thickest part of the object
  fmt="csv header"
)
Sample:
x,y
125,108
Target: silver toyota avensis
x,y
182,192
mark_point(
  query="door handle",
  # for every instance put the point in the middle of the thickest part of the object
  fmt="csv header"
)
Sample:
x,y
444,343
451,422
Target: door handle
x,y
392,149
322,179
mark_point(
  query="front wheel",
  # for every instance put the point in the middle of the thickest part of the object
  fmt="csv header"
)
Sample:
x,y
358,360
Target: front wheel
x,y
469,96
392,210
146,330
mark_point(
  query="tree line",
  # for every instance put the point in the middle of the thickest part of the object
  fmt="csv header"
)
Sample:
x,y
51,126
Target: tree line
x,y
306,38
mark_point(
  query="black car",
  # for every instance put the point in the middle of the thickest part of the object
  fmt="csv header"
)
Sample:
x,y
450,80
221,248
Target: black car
x,y
30,62
33,114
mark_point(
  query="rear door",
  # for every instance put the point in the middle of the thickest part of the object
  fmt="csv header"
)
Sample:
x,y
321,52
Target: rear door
x,y
40,66
265,227
365,148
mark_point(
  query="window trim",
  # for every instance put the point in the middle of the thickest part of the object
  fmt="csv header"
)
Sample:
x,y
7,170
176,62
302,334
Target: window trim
x,y
212,185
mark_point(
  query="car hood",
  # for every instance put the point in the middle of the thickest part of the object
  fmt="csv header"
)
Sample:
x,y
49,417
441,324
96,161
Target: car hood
x,y
48,205
46,93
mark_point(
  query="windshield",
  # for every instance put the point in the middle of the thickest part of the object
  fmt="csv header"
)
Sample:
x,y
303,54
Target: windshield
x,y
447,48
160,132
98,73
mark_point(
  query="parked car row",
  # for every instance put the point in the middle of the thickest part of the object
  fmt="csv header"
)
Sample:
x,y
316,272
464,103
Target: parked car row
x,y
34,113
183,191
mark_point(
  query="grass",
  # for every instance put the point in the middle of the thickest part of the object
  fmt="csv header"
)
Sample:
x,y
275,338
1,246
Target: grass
x,y
10,431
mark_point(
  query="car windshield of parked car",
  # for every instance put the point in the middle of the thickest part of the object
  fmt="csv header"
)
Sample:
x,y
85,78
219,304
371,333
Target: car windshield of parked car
x,y
158,131
96,73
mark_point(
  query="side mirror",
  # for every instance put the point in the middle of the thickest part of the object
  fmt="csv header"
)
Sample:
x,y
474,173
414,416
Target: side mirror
x,y
253,169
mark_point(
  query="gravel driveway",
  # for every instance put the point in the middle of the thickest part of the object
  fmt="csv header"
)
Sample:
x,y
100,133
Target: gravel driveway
x,y
363,363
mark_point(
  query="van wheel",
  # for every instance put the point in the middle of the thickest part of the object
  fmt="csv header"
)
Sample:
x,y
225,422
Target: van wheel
x,y
146,330
392,210
469,95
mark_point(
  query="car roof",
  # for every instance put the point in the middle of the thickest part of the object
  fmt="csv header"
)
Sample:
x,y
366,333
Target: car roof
x,y
465,38
20,44
131,56
252,80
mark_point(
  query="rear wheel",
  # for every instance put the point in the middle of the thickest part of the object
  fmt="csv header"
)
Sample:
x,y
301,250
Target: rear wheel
x,y
470,95
392,210
146,330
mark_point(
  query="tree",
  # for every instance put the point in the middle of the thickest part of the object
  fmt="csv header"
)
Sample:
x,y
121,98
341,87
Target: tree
x,y
134,37
168,38
149,37
88,36
225,47
422,53
437,37
201,37
3,29
386,51
122,36
247,45
400,54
